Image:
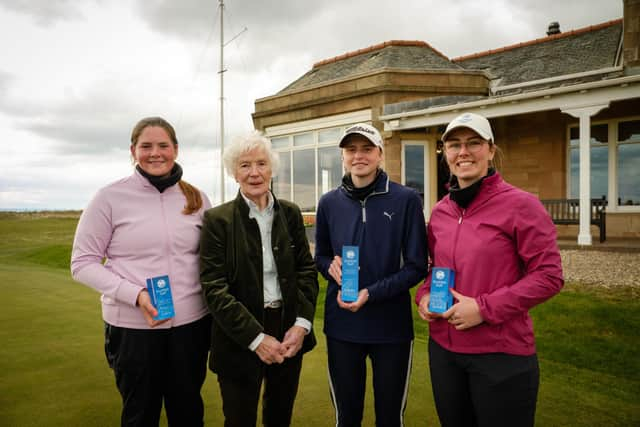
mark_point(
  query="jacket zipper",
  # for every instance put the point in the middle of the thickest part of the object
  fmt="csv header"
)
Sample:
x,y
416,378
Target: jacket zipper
x,y
364,202
167,246
453,256
455,239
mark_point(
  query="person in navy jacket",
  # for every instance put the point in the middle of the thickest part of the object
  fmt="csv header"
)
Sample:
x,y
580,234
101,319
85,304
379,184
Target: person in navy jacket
x,y
501,244
385,220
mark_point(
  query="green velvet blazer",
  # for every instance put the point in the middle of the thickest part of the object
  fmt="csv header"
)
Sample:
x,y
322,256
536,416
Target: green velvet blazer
x,y
231,278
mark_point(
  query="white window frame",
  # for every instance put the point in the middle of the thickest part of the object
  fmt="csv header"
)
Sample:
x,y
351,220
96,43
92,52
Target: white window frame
x,y
612,189
289,130
426,173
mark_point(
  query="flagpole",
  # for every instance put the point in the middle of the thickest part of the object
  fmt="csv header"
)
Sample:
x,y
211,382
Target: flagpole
x,y
221,72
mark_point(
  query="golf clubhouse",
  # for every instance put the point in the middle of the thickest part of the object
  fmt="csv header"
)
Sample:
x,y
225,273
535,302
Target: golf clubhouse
x,y
565,110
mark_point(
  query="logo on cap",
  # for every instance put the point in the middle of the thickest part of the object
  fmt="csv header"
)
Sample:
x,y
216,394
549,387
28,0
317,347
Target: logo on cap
x,y
465,118
366,130
360,129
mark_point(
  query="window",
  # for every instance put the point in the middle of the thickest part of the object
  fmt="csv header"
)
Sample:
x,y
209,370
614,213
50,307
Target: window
x,y
329,135
414,167
329,169
599,161
310,165
281,142
303,139
617,180
281,183
629,163
304,183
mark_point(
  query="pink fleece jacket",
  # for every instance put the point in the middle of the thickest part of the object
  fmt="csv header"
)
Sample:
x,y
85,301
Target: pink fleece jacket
x,y
140,233
504,252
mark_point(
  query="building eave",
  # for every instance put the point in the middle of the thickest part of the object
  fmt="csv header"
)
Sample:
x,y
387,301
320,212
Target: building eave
x,y
556,79
374,73
563,98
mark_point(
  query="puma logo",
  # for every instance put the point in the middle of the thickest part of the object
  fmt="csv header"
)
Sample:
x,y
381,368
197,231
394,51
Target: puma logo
x,y
389,215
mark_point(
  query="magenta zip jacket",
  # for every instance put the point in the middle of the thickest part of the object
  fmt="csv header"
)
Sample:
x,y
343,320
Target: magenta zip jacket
x,y
504,252
140,233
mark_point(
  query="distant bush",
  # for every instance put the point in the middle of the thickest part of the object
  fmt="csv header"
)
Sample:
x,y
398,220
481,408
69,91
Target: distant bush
x,y
39,214
309,220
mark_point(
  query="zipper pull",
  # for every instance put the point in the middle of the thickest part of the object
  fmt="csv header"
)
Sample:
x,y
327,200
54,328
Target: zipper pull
x,y
461,215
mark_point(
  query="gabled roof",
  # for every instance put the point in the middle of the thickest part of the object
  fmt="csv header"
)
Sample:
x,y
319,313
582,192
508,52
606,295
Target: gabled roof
x,y
591,48
395,54
560,60
573,57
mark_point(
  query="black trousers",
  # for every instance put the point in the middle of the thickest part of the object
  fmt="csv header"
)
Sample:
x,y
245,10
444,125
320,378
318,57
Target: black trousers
x,y
483,390
155,365
391,366
240,398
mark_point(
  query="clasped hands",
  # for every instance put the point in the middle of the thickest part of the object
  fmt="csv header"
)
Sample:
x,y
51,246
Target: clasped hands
x,y
270,350
464,314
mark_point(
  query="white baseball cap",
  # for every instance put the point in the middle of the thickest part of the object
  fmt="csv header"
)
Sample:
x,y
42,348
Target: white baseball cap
x,y
475,122
365,130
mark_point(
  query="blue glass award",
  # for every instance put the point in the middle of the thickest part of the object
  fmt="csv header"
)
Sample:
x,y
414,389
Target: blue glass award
x,y
441,299
350,267
160,292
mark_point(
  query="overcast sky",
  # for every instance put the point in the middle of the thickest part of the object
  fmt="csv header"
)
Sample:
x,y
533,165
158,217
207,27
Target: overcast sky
x,y
76,75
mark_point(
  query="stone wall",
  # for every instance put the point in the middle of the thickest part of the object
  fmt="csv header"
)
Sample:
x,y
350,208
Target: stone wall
x,y
534,152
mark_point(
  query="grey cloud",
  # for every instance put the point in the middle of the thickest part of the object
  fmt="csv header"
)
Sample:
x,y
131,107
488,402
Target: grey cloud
x,y
329,28
100,121
275,28
195,18
5,81
77,135
13,105
46,12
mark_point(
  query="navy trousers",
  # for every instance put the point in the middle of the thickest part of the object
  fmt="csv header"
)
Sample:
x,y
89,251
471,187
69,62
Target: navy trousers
x,y
483,390
240,398
391,366
152,366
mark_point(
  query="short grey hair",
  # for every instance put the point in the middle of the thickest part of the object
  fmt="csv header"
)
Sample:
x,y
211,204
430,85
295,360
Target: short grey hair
x,y
244,144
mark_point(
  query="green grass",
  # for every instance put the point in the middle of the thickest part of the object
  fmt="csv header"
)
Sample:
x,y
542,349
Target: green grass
x,y
53,370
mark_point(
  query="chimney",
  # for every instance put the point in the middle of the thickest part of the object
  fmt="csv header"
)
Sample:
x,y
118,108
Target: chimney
x,y
631,36
554,28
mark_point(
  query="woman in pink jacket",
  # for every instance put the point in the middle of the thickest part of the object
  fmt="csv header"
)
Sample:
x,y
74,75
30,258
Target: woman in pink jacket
x,y
500,245
146,228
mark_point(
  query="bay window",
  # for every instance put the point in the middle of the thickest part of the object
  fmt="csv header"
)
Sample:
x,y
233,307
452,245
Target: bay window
x,y
615,163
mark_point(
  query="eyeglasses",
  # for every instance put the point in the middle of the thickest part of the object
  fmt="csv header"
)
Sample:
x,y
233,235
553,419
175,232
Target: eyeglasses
x,y
472,146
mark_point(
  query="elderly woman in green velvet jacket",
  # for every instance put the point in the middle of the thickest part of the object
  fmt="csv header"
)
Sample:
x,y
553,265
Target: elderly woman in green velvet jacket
x,y
261,285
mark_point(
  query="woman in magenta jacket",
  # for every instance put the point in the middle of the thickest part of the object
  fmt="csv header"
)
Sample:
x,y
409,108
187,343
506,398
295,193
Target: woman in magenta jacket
x,y
146,226
501,244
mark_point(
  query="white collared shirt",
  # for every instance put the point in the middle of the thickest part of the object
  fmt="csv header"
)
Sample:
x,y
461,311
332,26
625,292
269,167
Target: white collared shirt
x,y
264,218
271,288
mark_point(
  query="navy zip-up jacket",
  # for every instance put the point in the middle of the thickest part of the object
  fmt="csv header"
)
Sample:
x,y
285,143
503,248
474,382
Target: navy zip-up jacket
x,y
389,228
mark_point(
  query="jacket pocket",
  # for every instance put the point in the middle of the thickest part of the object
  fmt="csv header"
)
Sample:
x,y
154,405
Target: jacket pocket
x,y
229,360
112,338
